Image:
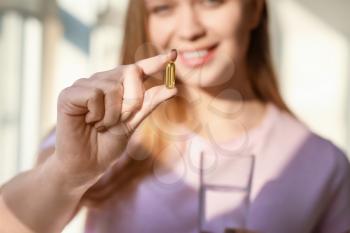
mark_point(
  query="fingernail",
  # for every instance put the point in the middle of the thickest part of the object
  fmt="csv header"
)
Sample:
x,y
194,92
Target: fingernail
x,y
173,53
101,128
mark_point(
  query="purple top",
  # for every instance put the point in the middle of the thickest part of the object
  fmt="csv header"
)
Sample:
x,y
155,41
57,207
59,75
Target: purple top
x,y
278,177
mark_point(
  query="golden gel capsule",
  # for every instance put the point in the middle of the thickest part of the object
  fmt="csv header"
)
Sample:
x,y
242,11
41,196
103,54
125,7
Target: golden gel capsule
x,y
170,75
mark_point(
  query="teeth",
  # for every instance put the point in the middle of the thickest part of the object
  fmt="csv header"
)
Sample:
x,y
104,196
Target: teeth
x,y
195,54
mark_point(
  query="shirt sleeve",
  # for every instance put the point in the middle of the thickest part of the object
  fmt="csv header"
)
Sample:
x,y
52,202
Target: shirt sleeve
x,y
336,216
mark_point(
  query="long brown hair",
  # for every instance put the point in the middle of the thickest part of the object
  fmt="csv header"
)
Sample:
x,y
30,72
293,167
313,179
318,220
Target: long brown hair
x,y
261,76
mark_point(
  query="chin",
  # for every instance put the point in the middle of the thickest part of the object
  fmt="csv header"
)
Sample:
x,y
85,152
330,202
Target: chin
x,y
207,76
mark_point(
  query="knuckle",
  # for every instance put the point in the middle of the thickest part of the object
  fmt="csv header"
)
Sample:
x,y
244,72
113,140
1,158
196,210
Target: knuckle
x,y
116,73
64,94
97,76
96,94
80,81
133,70
106,85
110,86
133,104
64,98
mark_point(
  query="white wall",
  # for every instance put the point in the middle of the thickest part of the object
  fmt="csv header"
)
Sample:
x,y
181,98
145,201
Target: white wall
x,y
312,52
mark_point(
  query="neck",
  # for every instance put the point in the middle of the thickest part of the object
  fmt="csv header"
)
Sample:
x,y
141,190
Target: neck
x,y
224,109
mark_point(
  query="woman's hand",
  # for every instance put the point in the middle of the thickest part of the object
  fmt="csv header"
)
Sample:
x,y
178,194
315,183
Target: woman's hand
x,y
97,116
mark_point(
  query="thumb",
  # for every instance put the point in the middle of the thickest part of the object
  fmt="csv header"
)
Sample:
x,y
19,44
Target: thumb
x,y
152,98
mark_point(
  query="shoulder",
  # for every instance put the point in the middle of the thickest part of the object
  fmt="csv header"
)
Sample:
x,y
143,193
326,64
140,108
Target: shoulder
x,y
335,204
338,162
288,141
308,147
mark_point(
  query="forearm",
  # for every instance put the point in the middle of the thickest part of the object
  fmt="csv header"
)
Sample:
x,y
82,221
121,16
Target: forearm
x,y
42,199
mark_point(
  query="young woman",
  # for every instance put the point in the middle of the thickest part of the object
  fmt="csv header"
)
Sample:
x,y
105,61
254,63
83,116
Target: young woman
x,y
221,152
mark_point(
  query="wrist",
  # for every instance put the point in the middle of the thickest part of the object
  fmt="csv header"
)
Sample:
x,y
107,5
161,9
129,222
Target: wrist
x,y
59,174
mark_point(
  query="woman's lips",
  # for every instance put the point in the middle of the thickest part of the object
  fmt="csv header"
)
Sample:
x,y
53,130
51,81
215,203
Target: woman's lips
x,y
198,57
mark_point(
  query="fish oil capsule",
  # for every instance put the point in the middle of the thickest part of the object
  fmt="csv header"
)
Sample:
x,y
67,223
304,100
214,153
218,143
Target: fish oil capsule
x,y
170,75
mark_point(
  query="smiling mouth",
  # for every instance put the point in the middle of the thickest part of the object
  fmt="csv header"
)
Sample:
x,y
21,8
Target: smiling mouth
x,y
197,57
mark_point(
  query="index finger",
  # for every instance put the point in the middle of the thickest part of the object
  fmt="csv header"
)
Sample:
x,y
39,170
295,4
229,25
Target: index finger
x,y
155,64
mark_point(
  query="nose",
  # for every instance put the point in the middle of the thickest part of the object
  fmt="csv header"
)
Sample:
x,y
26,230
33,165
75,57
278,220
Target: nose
x,y
189,25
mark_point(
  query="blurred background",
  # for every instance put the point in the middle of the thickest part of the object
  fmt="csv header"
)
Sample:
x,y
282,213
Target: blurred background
x,y
47,44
